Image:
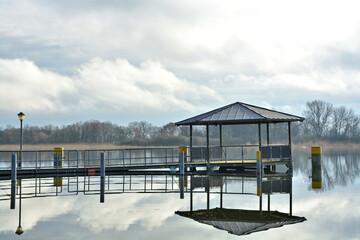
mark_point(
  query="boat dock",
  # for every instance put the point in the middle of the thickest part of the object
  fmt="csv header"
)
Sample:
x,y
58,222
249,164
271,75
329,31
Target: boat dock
x,y
61,162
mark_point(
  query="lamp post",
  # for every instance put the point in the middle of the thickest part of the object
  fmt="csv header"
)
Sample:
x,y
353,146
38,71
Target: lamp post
x,y
21,116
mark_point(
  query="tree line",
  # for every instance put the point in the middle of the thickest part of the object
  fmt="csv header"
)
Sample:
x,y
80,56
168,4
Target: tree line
x,y
329,122
323,121
92,131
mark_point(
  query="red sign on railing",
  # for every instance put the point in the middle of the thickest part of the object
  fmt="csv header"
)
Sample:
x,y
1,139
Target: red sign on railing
x,y
91,171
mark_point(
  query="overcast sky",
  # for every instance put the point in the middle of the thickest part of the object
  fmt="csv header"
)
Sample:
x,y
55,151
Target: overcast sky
x,y
163,61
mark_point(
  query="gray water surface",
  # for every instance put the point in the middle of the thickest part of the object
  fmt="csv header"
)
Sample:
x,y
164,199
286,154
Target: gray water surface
x,y
332,212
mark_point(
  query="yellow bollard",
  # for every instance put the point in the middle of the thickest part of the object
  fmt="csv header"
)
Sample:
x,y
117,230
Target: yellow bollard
x,y
183,149
316,167
185,182
258,155
258,162
58,163
259,173
58,156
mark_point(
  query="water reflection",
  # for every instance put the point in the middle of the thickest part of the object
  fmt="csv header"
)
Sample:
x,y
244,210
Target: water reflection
x,y
241,222
128,212
338,167
121,204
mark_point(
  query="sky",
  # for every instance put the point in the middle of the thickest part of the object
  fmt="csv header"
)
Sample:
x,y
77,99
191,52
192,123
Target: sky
x,y
63,62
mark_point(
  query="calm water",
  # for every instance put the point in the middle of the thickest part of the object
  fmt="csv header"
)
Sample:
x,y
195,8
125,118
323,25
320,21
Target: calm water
x,y
332,212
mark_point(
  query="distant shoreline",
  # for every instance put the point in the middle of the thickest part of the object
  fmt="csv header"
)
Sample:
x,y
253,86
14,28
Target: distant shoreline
x,y
328,145
84,146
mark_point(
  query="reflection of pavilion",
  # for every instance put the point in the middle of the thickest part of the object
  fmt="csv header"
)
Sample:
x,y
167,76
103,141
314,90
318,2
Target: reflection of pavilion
x,y
240,222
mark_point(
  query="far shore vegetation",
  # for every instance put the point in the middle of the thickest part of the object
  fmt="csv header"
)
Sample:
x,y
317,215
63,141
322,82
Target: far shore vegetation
x,y
324,125
84,146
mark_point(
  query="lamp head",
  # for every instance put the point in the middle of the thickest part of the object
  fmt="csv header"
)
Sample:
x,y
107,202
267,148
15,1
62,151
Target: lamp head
x,y
21,116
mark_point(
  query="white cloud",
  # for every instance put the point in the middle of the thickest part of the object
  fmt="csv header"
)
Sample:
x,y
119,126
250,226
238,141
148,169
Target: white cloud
x,y
33,211
278,53
25,86
205,36
149,210
115,85
119,214
285,90
149,86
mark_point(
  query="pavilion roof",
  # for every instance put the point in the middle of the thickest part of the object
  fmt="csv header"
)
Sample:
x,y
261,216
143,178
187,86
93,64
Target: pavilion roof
x,y
240,113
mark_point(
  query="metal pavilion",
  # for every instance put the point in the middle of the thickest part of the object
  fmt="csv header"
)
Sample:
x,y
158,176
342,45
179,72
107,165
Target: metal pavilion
x,y
243,113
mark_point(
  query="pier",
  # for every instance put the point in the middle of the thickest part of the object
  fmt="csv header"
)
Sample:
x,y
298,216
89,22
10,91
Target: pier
x,y
214,155
257,161
43,163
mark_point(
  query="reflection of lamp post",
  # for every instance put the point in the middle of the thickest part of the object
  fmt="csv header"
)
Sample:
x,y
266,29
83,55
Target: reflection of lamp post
x,y
19,229
21,116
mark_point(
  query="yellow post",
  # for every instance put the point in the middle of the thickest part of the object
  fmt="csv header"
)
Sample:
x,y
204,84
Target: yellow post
x,y
258,162
259,171
182,160
58,181
316,167
185,182
258,155
258,192
183,149
58,163
58,156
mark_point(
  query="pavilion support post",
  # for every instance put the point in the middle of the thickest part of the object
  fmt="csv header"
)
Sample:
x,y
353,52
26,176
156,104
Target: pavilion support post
x,y
207,147
290,154
259,189
181,177
221,193
208,194
290,200
191,193
268,143
259,158
221,142
259,130
181,182
289,130
191,142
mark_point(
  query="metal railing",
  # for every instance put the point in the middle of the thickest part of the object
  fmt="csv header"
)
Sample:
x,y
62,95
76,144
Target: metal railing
x,y
39,159
235,153
166,183
147,157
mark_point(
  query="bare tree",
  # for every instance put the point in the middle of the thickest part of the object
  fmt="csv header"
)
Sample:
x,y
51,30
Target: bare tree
x,y
352,121
345,124
142,130
184,131
318,116
168,130
339,119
